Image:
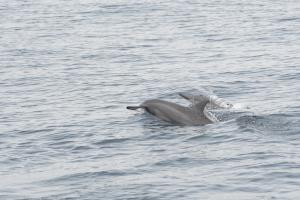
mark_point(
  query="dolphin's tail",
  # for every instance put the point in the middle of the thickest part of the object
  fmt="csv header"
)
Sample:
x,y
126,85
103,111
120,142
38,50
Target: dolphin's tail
x,y
134,107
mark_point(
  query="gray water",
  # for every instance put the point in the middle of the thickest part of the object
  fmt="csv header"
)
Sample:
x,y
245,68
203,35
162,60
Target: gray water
x,y
68,69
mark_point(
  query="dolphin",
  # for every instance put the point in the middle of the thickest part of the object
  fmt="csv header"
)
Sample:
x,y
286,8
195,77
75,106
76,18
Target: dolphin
x,y
177,114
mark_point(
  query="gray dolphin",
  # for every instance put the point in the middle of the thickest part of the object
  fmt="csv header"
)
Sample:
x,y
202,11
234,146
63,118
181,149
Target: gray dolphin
x,y
177,114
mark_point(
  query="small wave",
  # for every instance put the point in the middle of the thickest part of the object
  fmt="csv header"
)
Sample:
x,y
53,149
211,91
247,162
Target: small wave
x,y
26,132
86,175
81,148
287,19
111,141
173,162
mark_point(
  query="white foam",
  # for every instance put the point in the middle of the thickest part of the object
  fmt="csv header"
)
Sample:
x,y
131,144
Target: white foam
x,y
239,106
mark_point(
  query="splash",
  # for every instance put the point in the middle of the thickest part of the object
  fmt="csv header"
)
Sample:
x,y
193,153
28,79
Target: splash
x,y
215,100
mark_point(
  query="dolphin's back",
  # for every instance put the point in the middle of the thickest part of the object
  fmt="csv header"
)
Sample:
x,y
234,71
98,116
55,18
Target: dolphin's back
x,y
174,113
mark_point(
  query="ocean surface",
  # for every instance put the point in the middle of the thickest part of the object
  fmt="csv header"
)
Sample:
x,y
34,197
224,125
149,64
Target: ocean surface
x,y
68,69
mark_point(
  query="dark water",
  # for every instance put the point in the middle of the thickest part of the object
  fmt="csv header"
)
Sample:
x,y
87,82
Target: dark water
x,y
68,69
